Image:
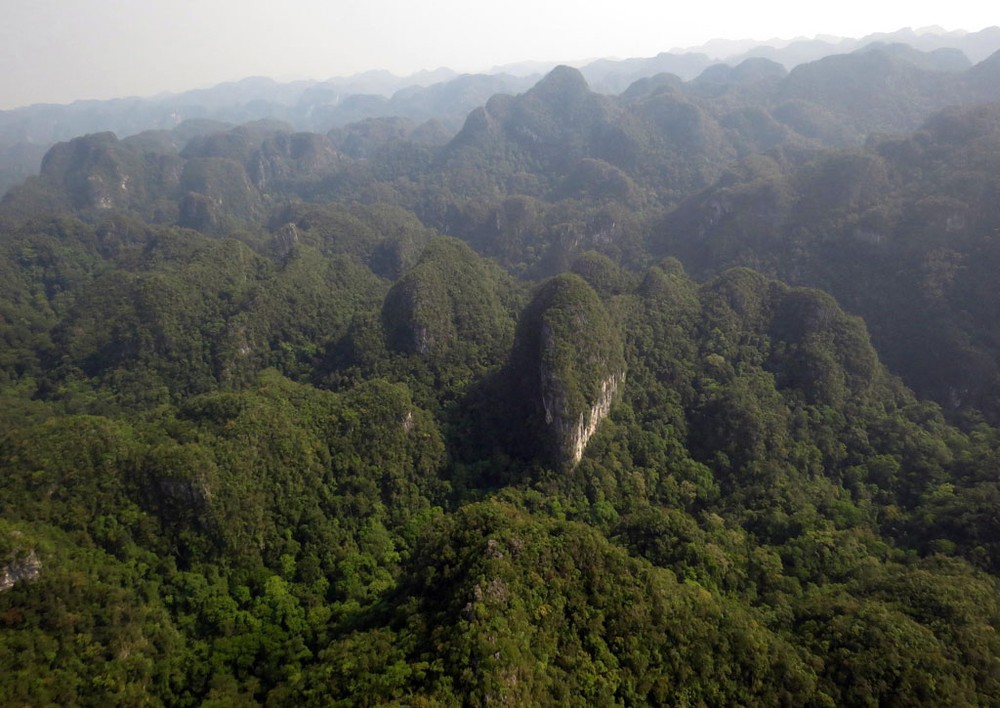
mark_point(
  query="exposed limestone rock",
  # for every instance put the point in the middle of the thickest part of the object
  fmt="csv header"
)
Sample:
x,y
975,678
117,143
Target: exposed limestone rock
x,y
284,240
20,570
284,157
573,435
569,367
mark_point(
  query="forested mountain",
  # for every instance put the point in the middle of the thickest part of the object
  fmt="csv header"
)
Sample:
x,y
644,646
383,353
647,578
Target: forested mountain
x,y
442,96
903,232
685,395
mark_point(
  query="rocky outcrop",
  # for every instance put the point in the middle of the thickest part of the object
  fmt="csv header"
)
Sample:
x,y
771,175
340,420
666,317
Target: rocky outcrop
x,y
217,193
100,172
287,157
20,570
567,368
284,240
572,434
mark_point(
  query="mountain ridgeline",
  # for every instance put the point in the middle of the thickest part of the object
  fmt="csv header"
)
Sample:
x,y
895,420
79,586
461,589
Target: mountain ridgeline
x,y
682,396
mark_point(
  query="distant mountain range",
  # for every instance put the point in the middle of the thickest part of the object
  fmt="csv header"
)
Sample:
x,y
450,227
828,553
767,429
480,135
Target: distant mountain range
x,y
442,95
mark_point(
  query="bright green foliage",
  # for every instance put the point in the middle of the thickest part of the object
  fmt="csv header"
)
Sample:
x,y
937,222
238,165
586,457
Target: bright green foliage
x,y
745,527
90,630
153,314
567,356
605,276
510,608
317,453
306,499
451,302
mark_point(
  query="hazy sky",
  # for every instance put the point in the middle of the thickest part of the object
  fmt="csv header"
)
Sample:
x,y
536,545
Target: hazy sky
x,y
63,50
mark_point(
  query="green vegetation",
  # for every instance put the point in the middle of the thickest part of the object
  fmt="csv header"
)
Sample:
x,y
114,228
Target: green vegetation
x,y
268,436
567,360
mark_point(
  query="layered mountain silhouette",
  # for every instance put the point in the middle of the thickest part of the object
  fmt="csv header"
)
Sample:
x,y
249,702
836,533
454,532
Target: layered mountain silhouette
x,y
26,133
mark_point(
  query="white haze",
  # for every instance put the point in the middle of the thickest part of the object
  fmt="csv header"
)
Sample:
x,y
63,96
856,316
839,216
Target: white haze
x,y
64,50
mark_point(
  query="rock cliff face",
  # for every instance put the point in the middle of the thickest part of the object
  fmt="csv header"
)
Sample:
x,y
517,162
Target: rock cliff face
x,y
27,568
571,434
568,367
101,172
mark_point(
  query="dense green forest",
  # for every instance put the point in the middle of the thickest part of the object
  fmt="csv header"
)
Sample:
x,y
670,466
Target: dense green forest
x,y
683,396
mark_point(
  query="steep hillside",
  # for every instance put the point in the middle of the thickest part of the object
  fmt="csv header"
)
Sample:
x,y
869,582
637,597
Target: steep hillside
x,y
687,395
902,232
752,488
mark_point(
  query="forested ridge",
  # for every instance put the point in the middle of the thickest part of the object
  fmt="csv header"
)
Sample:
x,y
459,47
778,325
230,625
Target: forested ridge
x,y
683,396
